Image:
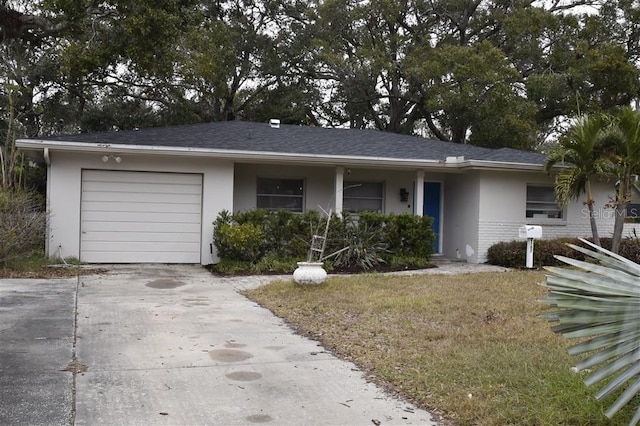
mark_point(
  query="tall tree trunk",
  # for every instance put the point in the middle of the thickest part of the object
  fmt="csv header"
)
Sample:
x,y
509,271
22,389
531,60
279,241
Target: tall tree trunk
x,y
592,219
621,213
8,151
594,225
618,226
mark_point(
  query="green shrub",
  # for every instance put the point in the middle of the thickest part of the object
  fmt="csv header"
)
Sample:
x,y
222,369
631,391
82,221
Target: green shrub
x,y
512,254
507,253
262,237
365,246
545,250
405,234
408,262
231,267
240,241
629,248
413,235
271,264
22,224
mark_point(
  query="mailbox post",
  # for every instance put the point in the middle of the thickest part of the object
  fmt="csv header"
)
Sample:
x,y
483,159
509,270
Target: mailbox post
x,y
530,232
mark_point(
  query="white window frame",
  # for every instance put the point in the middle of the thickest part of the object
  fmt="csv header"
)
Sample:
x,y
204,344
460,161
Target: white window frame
x,y
545,207
633,208
352,186
282,195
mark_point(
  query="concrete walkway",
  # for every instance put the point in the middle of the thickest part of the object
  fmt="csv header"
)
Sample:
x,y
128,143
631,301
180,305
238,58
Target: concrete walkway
x,y
174,345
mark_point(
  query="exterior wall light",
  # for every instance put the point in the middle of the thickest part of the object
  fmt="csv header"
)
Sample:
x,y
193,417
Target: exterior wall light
x,y
115,158
404,195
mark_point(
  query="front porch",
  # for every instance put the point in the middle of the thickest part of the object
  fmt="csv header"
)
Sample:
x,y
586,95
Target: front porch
x,y
344,189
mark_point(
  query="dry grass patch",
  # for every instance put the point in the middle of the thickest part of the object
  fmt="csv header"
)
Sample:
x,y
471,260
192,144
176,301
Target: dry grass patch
x,y
471,346
37,265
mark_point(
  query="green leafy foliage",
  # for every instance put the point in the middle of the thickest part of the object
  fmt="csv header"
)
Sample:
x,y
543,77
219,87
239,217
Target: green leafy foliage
x,y
240,241
365,246
407,235
598,303
597,145
512,254
485,72
268,240
286,234
272,263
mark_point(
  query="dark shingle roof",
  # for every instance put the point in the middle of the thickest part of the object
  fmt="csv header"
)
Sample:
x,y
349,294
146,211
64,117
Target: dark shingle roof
x,y
510,155
306,140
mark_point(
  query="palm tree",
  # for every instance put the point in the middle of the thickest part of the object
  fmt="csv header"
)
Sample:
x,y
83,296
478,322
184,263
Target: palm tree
x,y
622,149
598,302
580,148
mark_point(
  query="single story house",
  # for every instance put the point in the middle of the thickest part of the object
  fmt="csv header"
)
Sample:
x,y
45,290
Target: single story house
x,y
151,195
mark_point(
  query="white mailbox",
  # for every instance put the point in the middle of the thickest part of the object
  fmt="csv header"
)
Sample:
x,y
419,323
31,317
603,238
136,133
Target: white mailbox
x,y
530,231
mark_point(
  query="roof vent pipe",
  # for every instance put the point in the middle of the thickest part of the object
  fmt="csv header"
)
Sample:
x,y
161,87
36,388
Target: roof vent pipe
x,y
274,123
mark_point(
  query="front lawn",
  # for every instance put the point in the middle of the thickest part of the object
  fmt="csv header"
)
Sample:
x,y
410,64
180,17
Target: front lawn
x,y
469,346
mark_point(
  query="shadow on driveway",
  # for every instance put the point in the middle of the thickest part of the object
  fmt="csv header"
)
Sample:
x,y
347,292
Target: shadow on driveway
x,y
36,345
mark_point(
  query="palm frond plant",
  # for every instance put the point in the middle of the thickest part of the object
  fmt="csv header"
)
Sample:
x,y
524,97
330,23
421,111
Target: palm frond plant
x,y
599,303
622,149
580,152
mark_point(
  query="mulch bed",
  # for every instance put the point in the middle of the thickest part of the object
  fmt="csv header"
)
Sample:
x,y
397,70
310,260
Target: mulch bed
x,y
336,270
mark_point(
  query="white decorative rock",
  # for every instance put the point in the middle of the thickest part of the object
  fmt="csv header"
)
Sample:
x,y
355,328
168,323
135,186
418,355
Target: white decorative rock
x,y
309,273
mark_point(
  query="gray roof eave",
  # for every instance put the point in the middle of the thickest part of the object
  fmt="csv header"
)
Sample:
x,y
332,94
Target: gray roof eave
x,y
260,156
264,156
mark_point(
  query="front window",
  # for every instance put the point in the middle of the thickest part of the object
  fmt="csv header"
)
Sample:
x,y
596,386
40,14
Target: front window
x,y
280,194
541,203
363,197
633,212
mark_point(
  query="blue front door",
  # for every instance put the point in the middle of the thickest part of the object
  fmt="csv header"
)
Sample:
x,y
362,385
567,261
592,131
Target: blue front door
x,y
431,207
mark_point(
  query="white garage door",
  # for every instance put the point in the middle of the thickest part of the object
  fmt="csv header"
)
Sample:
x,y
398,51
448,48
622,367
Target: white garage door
x,y
137,217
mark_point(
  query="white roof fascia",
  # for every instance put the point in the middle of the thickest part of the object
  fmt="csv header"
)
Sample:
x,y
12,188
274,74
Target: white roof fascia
x,y
222,153
501,165
263,156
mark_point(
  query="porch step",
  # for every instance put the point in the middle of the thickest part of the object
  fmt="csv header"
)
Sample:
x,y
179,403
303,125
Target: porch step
x,y
439,259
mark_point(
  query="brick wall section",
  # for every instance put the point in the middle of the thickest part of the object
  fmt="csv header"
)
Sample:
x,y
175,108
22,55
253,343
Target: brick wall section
x,y
491,232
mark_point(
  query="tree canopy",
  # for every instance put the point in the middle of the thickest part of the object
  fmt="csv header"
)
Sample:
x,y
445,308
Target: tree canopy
x,y
493,73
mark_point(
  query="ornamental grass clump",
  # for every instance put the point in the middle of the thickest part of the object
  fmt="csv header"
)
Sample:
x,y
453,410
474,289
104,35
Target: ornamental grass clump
x,y
599,303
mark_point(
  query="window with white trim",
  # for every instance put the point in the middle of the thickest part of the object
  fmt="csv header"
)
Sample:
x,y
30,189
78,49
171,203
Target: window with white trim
x,y
280,194
541,203
363,197
633,208
633,212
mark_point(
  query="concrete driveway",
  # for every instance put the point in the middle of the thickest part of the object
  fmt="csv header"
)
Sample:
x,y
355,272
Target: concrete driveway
x,y
36,345
174,345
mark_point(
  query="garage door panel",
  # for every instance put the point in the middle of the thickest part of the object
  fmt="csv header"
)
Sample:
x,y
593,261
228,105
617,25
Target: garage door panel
x,y
143,177
156,217
140,257
125,197
140,188
145,207
115,227
151,246
130,217
136,236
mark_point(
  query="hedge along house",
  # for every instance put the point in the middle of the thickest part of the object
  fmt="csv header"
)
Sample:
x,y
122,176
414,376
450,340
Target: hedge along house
x,y
151,195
